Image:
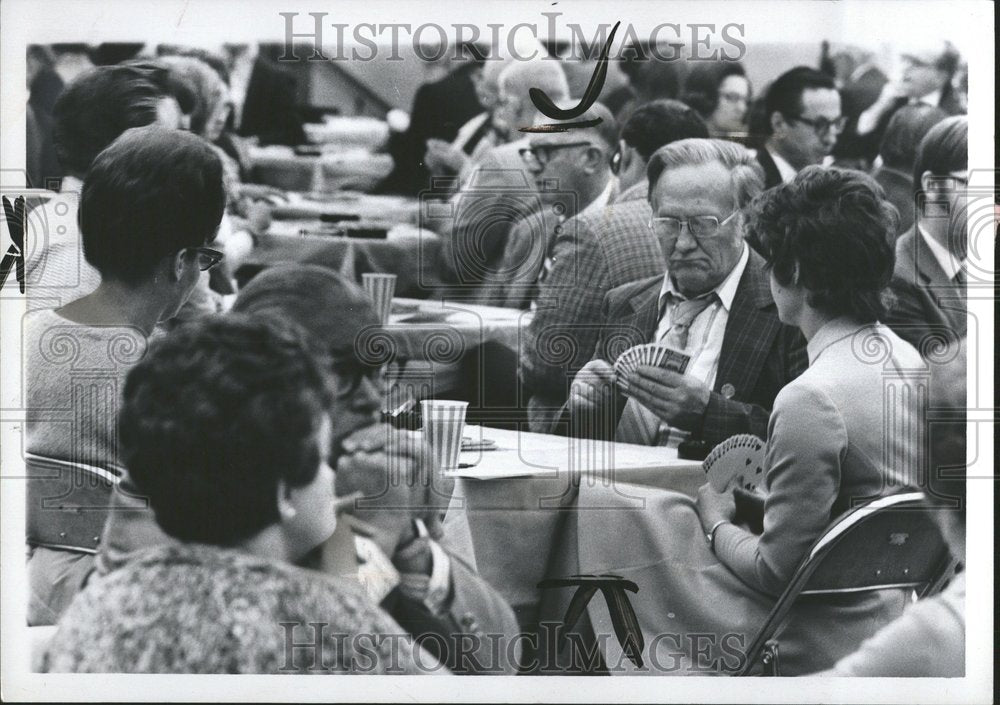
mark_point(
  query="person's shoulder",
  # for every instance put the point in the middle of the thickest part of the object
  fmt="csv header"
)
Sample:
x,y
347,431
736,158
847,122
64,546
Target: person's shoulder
x,y
620,295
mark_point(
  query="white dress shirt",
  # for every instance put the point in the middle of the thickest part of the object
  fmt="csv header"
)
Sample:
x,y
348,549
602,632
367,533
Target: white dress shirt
x,y
785,170
707,330
950,265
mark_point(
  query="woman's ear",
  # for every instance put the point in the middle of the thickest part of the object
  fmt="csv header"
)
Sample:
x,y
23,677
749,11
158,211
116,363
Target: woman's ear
x,y
777,121
286,509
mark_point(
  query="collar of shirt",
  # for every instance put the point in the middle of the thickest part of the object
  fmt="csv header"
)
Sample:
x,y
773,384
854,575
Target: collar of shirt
x,y
726,290
947,261
786,170
830,333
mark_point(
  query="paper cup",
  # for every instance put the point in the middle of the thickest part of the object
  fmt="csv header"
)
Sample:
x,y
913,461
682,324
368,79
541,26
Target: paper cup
x,y
444,423
381,287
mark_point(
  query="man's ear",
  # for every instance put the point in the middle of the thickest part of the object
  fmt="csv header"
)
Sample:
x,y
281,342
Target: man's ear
x,y
777,121
180,263
926,181
594,158
628,155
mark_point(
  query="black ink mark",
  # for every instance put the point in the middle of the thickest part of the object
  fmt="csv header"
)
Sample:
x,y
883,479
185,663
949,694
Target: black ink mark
x,y
14,258
550,109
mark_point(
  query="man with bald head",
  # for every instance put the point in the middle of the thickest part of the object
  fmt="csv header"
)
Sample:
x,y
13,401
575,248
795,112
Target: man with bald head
x,y
499,189
572,173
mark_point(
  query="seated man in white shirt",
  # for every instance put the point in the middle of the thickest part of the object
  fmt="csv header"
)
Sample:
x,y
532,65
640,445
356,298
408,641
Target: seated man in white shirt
x,y
803,122
713,304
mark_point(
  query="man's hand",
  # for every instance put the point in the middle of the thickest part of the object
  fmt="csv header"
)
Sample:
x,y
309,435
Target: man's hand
x,y
392,469
593,386
714,507
679,400
442,158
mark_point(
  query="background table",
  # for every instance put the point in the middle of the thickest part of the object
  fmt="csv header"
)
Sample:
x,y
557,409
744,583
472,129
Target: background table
x,y
455,350
513,514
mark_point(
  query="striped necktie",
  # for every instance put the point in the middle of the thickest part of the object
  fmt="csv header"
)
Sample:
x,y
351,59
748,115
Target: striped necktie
x,y
638,424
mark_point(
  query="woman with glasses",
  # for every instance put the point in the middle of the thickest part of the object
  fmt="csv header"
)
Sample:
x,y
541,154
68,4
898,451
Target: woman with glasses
x,y
223,593
150,203
721,93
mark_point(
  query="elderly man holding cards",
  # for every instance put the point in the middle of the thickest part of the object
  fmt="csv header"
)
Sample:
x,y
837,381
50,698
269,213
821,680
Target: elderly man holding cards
x,y
719,354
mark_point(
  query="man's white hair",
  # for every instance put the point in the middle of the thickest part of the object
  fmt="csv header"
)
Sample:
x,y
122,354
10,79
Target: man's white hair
x,y
545,74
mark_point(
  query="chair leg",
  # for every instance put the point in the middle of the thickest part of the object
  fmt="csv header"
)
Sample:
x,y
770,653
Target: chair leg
x,y
769,658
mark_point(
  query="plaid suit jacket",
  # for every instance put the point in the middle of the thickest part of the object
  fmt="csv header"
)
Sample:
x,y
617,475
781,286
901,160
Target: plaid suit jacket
x,y
592,254
759,355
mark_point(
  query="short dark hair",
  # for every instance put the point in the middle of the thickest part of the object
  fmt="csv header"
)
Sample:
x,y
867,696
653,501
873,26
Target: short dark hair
x,y
661,122
648,73
98,106
701,89
944,149
785,94
834,226
151,194
905,130
214,416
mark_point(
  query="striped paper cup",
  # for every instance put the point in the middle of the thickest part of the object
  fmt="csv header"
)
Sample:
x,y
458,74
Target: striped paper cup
x,y
381,287
444,423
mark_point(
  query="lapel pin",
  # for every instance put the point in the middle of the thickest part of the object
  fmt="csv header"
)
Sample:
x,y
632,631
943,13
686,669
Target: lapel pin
x,y
728,390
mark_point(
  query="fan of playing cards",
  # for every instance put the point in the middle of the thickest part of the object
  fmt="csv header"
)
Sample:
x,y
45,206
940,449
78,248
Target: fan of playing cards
x,y
737,463
651,354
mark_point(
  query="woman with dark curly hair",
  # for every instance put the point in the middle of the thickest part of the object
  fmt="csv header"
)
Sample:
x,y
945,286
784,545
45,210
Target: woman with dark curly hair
x,y
720,91
226,428
833,439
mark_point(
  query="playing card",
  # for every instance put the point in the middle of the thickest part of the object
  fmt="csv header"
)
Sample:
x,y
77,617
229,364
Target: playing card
x,y
648,354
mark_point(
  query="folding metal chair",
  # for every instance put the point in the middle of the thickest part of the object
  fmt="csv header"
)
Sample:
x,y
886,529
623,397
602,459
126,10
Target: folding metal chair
x,y
889,543
67,503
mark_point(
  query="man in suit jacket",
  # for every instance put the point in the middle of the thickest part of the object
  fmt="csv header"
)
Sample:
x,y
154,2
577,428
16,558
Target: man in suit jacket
x,y
499,189
929,280
594,253
926,80
803,120
713,304
573,174
270,107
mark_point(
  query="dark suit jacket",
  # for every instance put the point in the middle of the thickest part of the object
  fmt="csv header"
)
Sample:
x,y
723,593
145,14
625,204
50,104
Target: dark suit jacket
x,y
269,110
439,110
759,355
772,177
928,306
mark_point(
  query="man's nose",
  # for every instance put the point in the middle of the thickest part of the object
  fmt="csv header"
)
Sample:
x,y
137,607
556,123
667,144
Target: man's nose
x,y
685,240
370,394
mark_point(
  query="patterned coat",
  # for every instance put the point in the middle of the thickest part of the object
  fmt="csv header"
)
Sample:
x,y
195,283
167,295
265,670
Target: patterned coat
x,y
191,608
593,254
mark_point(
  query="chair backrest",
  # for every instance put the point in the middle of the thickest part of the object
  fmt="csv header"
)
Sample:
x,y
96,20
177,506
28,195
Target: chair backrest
x,y
891,542
67,503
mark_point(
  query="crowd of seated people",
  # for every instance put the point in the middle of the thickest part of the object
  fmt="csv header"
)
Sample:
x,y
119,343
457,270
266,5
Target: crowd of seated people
x,y
241,426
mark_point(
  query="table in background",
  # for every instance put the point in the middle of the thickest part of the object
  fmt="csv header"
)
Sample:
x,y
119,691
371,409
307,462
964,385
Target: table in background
x,y
514,513
454,350
337,167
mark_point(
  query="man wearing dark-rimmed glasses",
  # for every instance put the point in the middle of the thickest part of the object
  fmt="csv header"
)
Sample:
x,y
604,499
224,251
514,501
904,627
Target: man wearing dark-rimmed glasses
x,y
713,304
802,123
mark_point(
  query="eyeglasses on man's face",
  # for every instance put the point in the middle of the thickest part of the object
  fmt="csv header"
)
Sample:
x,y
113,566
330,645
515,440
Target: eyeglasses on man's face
x,y
701,227
538,155
822,126
349,372
206,257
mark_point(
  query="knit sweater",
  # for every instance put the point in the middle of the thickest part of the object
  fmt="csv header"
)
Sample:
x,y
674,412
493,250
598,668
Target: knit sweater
x,y
192,608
